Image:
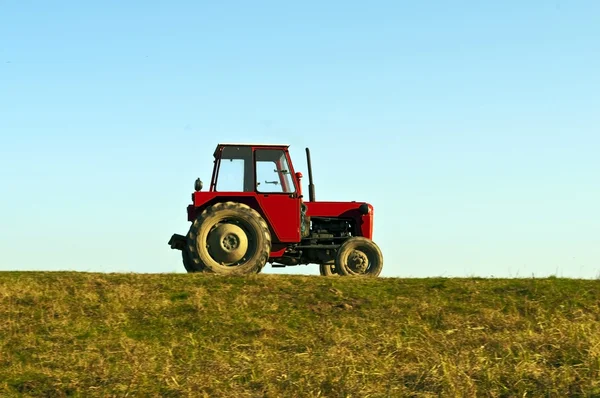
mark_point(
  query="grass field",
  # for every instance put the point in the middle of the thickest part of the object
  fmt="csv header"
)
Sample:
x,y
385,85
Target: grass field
x,y
171,335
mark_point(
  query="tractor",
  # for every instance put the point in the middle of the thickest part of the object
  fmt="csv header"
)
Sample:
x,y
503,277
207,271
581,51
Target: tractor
x,y
254,213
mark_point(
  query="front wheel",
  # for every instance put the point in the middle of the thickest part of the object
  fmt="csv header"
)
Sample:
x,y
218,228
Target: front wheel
x,y
359,256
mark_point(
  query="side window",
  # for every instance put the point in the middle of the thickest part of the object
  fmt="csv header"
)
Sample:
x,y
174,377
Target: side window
x,y
272,172
235,170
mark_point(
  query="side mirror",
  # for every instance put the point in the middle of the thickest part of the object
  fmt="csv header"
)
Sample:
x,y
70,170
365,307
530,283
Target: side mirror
x,y
198,185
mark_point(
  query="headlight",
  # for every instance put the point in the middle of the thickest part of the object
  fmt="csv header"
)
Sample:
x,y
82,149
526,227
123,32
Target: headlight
x,y
364,208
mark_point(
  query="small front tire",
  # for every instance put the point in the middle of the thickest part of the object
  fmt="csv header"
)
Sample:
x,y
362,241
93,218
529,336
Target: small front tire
x,y
359,256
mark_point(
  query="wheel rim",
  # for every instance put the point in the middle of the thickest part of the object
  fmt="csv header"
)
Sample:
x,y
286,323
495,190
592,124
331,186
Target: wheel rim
x,y
227,243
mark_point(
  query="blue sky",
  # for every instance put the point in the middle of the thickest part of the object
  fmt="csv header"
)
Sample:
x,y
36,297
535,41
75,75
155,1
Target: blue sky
x,y
472,127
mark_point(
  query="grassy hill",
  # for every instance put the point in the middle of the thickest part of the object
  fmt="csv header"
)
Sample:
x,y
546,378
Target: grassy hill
x,y
85,334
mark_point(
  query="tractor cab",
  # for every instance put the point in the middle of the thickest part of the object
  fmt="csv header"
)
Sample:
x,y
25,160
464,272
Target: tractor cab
x,y
262,177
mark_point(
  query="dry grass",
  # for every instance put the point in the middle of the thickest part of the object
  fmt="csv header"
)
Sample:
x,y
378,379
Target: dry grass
x,y
81,334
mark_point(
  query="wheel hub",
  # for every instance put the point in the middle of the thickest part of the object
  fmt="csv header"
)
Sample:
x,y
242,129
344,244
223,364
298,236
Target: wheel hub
x,y
358,261
230,242
227,243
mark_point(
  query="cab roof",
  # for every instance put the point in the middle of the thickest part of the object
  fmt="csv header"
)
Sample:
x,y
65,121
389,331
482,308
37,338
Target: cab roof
x,y
248,145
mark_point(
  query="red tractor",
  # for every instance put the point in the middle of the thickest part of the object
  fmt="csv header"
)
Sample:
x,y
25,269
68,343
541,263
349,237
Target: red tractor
x,y
254,213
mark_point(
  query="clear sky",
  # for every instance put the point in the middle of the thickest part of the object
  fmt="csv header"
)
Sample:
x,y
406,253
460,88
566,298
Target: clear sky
x,y
473,127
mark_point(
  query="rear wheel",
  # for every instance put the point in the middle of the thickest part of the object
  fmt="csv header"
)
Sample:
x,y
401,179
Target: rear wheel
x,y
189,265
229,238
359,256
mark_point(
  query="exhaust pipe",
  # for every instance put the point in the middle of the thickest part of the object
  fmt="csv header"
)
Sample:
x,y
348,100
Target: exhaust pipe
x,y
311,186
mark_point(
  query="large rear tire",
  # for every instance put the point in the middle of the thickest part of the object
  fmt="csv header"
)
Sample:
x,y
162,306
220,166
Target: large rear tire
x,y
229,238
359,256
189,265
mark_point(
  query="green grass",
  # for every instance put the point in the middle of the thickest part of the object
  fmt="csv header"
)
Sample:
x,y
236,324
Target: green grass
x,y
86,334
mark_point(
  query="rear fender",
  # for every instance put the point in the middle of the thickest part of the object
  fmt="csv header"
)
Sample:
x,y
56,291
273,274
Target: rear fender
x,y
202,200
